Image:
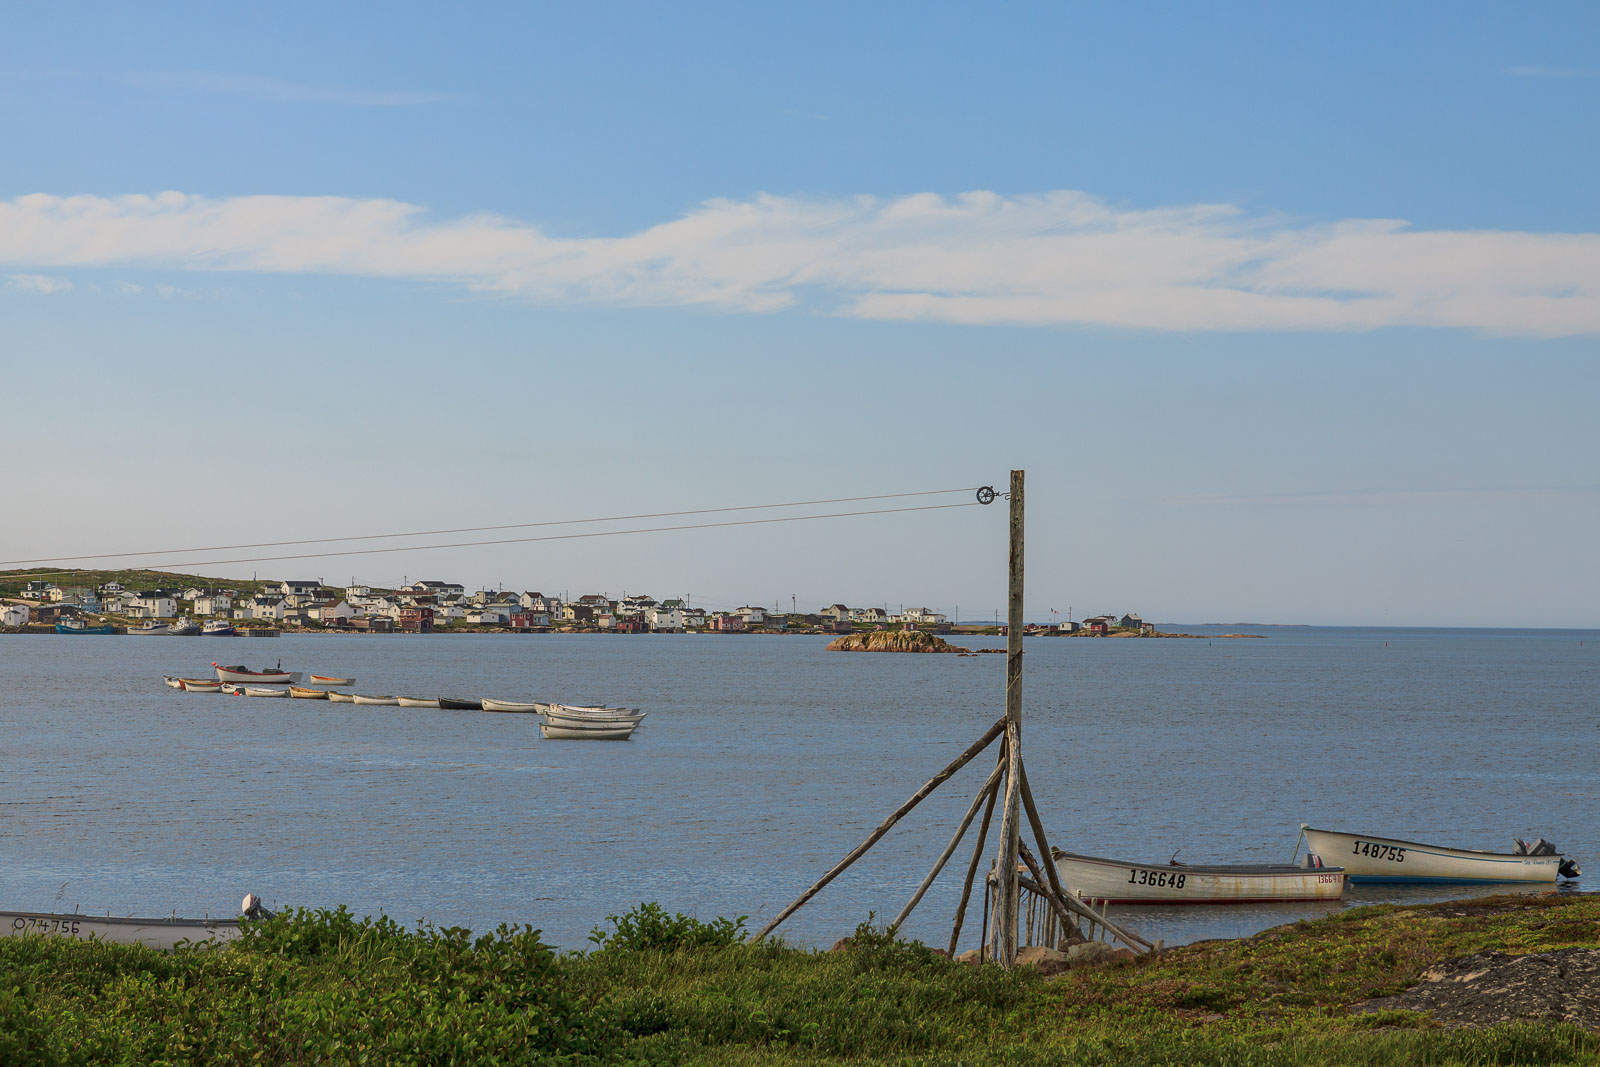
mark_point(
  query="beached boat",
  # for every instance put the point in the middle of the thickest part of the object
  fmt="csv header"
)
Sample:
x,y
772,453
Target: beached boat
x,y
83,629
509,705
340,698
302,693
419,702
1124,882
452,704
276,676
1391,860
328,679
385,701
165,934
218,628
263,691
201,685
560,732
176,683
150,629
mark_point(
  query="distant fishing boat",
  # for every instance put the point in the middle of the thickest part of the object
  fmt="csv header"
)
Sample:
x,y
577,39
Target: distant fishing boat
x,y
165,934
596,732
328,679
452,704
509,705
1390,860
218,628
276,676
302,693
83,629
381,701
150,629
417,702
185,628
1123,882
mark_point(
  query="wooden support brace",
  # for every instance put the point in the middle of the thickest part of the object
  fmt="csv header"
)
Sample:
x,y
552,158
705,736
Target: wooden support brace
x,y
972,868
887,824
985,793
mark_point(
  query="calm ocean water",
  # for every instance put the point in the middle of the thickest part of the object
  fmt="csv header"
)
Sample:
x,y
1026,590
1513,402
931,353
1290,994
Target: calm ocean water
x,y
763,761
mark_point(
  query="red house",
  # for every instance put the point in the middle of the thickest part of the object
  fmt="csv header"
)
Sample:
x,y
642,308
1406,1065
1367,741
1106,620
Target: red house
x,y
417,619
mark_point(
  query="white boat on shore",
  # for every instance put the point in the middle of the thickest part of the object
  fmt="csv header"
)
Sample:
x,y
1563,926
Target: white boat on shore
x,y
510,706
593,732
165,934
377,701
419,702
1390,860
1123,882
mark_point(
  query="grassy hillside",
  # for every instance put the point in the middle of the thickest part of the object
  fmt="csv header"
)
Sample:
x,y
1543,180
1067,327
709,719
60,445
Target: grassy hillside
x,y
13,580
325,988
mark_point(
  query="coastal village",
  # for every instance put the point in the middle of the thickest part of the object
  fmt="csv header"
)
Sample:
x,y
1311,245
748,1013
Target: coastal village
x,y
440,606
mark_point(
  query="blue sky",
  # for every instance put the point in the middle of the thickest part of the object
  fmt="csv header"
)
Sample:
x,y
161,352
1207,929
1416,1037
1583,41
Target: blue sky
x,y
1290,315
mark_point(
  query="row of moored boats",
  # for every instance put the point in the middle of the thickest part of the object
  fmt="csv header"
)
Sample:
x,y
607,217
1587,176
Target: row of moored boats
x,y
562,722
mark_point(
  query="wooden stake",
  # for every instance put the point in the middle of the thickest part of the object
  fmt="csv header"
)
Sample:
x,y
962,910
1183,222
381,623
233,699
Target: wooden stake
x,y
1003,938
887,824
972,870
988,790
1048,858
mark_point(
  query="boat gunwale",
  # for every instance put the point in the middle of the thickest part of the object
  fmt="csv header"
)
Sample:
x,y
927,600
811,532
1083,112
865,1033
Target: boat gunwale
x,y
1438,850
1276,870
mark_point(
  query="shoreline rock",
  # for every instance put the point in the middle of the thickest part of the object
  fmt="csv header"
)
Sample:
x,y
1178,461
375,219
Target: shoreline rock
x,y
894,641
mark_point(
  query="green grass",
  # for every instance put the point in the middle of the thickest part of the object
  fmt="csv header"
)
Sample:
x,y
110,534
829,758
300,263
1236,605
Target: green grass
x,y
663,989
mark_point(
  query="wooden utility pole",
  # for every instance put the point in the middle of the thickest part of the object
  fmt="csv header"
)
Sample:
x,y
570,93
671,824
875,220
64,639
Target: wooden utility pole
x,y
1003,935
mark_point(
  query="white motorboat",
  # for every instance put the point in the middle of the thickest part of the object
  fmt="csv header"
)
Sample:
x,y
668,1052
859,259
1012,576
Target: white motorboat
x,y
218,628
381,701
416,702
340,698
163,934
509,705
1386,859
1123,882
149,629
277,676
560,732
263,691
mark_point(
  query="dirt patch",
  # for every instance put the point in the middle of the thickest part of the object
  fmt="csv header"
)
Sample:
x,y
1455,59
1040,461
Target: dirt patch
x,y
1492,987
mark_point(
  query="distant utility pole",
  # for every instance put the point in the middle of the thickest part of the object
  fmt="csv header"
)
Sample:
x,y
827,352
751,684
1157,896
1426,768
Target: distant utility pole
x,y
792,609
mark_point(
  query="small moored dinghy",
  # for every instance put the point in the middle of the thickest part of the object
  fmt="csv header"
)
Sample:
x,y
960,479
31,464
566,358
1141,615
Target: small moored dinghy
x,y
200,685
1122,882
237,673
340,698
176,683
262,691
300,692
453,704
509,705
566,715
1390,860
418,702
556,731
328,679
383,701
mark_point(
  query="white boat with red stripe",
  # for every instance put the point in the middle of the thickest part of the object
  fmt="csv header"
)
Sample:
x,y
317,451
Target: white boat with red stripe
x,y
276,676
1124,882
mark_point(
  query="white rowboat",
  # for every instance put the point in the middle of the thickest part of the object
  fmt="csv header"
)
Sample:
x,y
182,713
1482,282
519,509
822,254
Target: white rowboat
x,y
300,692
413,702
341,698
509,705
1386,859
386,701
243,674
328,679
558,732
594,712
152,933
258,691
176,683
1122,882
561,717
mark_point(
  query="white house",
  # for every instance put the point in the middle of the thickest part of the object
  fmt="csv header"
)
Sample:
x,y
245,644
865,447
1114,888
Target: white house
x,y
215,604
870,616
694,618
14,614
299,585
666,620
328,611
751,616
194,592
448,612
154,604
921,617
637,604
440,589
267,606
351,591
488,617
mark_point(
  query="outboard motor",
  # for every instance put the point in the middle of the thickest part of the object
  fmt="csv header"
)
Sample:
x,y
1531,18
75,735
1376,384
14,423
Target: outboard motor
x,y
1569,869
252,908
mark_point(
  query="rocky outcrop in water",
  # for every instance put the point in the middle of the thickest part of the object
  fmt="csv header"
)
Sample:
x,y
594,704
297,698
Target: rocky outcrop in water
x,y
894,641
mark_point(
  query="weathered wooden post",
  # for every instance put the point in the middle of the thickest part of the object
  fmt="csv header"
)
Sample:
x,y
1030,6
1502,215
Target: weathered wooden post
x,y
1003,936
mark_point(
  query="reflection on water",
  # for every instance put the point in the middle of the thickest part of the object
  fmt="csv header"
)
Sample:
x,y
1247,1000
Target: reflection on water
x,y
763,761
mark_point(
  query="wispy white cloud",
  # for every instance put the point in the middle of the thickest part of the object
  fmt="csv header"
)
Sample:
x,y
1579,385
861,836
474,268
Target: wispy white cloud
x,y
1548,72
42,284
1047,259
276,91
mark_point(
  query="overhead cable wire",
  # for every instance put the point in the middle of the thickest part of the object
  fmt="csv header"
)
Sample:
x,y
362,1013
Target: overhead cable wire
x,y
553,537
478,529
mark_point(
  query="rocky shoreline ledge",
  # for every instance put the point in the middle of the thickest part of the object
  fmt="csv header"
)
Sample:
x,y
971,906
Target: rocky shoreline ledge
x,y
901,641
